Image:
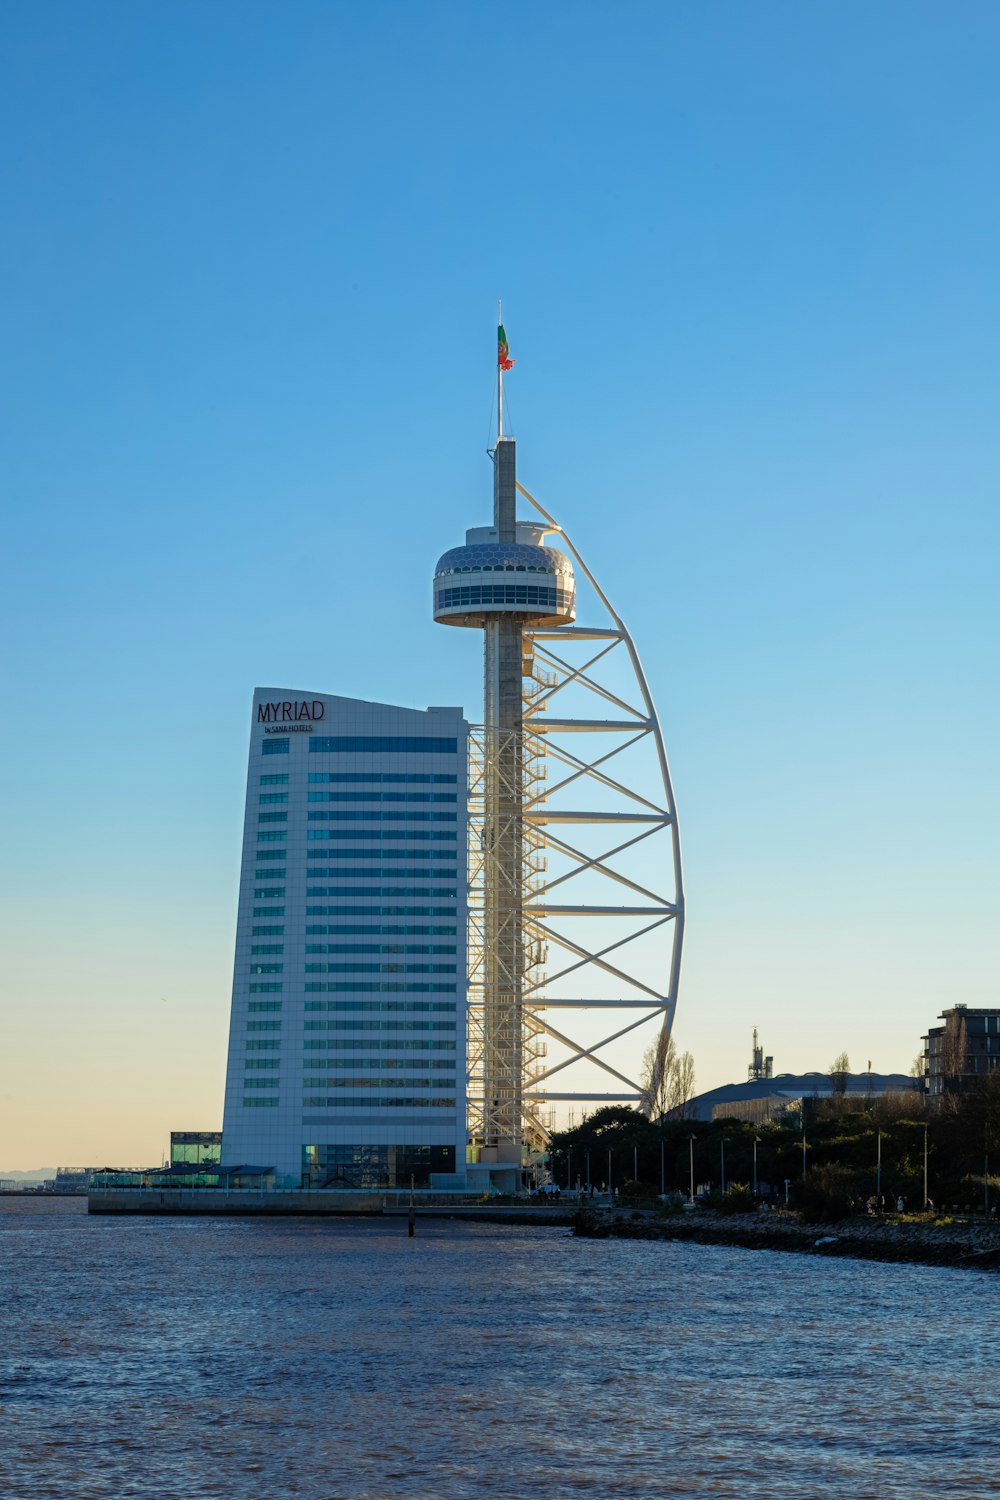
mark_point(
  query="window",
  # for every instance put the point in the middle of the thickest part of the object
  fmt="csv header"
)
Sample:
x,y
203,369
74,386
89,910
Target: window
x,y
337,987
249,1103
356,968
273,796
262,1062
266,989
370,815
264,931
547,598
378,1005
267,948
273,854
379,776
376,891
263,1025
331,872
395,1044
377,948
266,968
278,874
380,744
259,1005
272,817
396,1024
378,930
444,835
365,1081
272,1046
272,838
280,780
269,911
274,747
377,911
359,796
356,1101
265,893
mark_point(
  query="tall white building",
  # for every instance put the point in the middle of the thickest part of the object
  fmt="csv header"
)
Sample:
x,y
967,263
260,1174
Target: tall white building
x,y
347,1059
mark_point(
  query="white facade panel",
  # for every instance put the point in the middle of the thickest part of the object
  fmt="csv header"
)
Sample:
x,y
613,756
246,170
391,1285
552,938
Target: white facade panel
x,y
347,1040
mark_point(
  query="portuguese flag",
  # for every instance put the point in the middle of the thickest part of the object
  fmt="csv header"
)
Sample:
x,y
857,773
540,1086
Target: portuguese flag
x,y
504,361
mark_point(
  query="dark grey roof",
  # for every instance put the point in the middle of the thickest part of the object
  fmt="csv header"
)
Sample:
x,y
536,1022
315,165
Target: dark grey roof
x,y
795,1086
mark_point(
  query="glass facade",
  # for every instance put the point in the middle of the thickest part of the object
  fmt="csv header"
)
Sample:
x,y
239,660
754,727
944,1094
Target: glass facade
x,y
369,811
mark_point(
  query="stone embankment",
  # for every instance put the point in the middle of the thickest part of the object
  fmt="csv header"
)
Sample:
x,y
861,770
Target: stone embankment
x,y
923,1242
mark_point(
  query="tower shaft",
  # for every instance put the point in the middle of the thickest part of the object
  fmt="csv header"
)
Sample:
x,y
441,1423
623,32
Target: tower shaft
x,y
503,837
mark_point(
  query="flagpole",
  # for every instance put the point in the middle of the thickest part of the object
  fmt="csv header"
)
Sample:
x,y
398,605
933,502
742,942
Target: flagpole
x,y
499,374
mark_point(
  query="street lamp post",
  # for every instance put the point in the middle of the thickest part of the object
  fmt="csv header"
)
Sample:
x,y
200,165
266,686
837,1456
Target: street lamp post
x,y
803,1152
663,1179
609,1170
691,1155
635,1163
569,1168
926,1194
722,1152
587,1155
756,1143
878,1176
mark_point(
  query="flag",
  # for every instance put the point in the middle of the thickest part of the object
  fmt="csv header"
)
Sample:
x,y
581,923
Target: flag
x,y
504,361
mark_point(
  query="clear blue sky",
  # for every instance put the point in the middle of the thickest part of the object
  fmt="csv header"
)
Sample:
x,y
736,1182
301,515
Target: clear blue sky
x,y
249,262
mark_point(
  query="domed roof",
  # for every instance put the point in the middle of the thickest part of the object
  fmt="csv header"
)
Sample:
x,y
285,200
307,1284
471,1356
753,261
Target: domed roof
x,y
504,555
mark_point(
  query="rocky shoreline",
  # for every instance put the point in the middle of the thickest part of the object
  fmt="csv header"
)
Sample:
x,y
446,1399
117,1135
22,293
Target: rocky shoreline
x,y
968,1246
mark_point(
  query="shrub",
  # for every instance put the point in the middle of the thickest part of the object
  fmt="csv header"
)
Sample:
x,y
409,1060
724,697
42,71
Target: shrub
x,y
825,1195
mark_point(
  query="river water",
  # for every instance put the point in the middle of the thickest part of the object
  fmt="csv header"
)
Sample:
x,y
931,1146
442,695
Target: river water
x,y
180,1358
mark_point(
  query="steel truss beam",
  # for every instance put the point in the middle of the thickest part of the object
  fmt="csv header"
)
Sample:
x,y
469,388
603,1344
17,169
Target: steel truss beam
x,y
518,777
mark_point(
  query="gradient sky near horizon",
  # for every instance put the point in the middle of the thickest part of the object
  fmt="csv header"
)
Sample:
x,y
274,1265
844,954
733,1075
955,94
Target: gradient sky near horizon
x,y
249,263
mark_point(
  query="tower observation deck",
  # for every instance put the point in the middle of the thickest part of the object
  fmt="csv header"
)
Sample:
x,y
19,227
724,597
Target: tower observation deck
x,y
569,752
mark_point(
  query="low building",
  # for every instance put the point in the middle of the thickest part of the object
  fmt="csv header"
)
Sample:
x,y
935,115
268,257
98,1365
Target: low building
x,y
763,1099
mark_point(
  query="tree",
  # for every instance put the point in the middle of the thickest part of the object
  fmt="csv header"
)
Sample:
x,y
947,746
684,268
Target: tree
x,y
954,1049
840,1070
667,1079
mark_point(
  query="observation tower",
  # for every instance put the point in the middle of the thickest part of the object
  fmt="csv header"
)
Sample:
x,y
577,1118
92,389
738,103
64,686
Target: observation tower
x,y
536,806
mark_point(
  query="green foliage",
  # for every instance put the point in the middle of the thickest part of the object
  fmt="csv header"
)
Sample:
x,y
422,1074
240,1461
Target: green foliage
x,y
737,1199
826,1194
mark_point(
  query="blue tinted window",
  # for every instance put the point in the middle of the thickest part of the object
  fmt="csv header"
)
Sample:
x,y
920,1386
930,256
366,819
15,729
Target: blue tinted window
x,y
260,1005
279,780
383,776
381,744
274,747
356,1101
367,987
265,892
410,835
331,872
267,988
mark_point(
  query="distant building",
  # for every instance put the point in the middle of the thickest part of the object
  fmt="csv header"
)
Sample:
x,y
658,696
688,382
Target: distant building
x,y
966,1049
763,1099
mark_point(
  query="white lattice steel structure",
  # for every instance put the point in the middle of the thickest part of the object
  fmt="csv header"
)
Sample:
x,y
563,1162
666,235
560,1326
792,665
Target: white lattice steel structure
x,y
576,901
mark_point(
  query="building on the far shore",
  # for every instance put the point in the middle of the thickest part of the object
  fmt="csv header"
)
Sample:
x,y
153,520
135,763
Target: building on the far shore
x,y
794,1095
962,1052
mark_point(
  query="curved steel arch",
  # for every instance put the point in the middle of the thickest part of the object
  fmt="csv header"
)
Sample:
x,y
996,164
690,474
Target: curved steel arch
x,y
664,912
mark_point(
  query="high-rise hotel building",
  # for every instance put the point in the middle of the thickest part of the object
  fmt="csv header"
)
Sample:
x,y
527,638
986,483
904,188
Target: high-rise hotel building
x,y
347,1040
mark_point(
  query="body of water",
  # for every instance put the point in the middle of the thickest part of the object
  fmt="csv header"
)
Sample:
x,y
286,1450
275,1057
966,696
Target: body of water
x,y
180,1358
